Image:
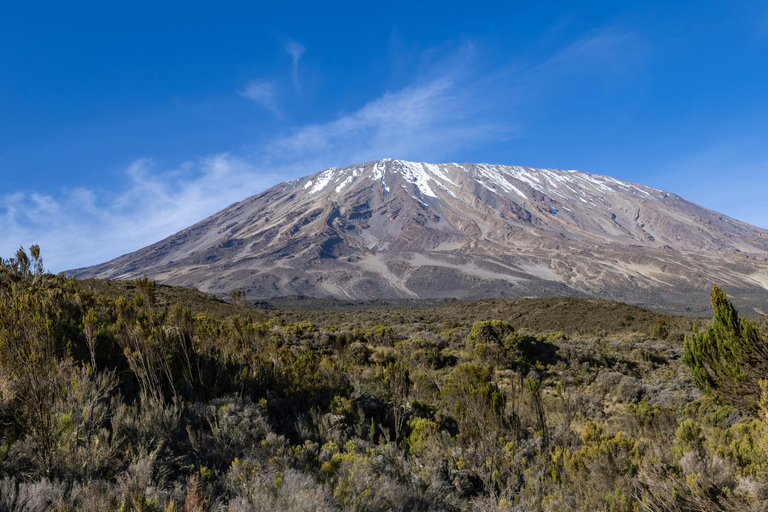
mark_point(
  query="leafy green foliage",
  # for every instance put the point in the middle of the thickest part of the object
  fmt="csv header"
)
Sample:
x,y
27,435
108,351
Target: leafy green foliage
x,y
728,359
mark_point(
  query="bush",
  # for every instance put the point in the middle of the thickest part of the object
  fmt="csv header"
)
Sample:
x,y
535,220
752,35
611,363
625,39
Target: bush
x,y
728,359
488,332
358,354
274,491
421,353
477,402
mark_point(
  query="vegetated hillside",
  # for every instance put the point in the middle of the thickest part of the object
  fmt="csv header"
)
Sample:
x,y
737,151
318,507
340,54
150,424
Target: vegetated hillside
x,y
196,301
115,403
565,314
393,229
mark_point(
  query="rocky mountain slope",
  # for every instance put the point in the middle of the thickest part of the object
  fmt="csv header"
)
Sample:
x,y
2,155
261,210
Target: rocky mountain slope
x,y
397,229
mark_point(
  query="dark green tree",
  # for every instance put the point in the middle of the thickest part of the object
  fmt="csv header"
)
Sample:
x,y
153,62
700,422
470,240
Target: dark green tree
x,y
729,358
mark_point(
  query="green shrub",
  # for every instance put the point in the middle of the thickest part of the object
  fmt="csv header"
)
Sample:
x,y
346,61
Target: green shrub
x,y
423,431
689,438
299,329
358,354
729,358
744,445
488,332
420,352
477,402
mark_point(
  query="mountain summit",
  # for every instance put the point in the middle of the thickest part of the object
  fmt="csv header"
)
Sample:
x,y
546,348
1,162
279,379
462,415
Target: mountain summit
x,y
398,229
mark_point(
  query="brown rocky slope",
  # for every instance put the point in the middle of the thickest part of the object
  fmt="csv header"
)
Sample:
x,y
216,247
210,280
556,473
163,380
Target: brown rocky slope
x,y
397,229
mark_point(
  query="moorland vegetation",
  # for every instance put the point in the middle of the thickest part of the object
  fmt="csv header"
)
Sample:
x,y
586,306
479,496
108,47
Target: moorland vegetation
x,y
134,396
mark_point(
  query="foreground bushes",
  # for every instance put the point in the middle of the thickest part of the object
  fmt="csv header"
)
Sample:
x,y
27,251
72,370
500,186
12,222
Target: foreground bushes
x,y
124,403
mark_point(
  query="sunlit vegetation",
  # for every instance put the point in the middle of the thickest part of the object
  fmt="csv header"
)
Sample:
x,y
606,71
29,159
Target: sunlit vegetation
x,y
132,396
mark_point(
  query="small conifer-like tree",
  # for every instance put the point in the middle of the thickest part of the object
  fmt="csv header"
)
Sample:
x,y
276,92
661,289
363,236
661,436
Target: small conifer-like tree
x,y
729,358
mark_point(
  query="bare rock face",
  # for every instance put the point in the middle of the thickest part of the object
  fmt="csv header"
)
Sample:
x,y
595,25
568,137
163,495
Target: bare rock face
x,y
397,229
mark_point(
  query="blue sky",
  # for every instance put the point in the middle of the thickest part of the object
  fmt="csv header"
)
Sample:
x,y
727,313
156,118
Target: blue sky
x,y
121,123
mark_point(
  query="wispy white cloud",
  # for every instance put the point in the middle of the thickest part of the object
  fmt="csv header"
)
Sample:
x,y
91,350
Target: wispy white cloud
x,y
417,122
263,93
606,50
448,109
606,56
295,50
80,227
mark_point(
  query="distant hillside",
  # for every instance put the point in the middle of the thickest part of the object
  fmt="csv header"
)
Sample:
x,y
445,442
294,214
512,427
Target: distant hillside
x,y
571,316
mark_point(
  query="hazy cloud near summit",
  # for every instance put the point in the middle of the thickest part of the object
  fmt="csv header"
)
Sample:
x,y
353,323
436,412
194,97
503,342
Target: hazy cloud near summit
x,y
420,122
264,91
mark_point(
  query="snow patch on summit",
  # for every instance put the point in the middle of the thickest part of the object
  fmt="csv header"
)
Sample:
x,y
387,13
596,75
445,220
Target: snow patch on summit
x,y
429,179
344,183
322,180
435,170
495,175
415,174
379,171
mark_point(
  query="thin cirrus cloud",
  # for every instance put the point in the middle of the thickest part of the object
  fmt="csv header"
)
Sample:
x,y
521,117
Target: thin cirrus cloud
x,y
295,50
426,122
613,50
449,107
456,106
262,92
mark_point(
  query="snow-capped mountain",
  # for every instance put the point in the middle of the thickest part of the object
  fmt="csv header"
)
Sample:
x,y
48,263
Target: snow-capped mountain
x,y
397,229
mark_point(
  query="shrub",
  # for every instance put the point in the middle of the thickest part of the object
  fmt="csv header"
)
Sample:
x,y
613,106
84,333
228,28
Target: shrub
x,y
423,431
272,491
487,332
469,391
729,358
689,438
420,352
358,354
299,330
743,445
383,335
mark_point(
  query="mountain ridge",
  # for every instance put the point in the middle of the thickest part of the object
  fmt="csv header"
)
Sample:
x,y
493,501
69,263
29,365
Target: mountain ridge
x,y
400,229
